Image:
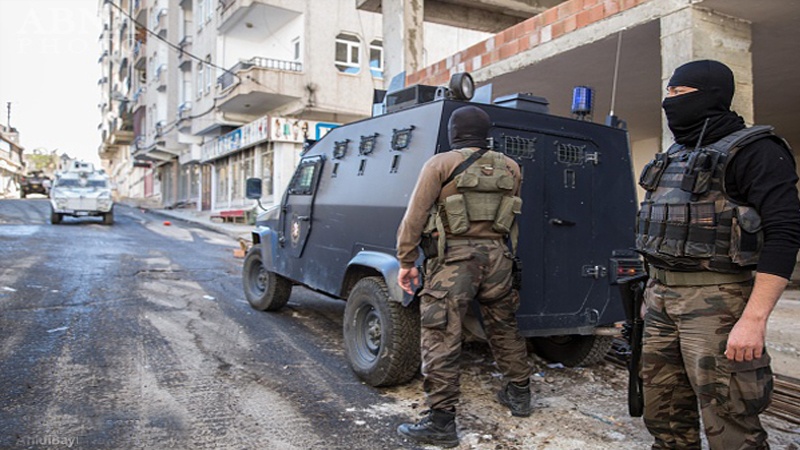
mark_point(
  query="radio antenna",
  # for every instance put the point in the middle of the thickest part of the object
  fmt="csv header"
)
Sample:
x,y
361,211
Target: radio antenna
x,y
616,74
612,120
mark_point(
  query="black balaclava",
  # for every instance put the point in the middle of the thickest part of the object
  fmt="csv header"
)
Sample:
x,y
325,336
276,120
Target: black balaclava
x,y
468,127
687,113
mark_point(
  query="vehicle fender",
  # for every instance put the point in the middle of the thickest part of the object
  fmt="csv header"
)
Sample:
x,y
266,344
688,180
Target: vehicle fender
x,y
388,266
268,239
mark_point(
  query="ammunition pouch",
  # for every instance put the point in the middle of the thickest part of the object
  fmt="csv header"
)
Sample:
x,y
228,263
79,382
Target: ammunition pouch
x,y
509,208
651,174
455,208
699,172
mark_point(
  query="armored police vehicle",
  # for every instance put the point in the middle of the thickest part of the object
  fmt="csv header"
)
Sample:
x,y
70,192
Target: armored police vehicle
x,y
81,191
334,230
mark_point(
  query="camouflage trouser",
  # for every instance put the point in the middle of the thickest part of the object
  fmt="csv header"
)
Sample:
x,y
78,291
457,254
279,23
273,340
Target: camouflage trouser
x,y
683,365
474,269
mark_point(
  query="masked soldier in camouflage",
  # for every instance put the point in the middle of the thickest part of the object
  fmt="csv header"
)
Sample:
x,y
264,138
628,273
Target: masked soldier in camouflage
x,y
720,203
463,223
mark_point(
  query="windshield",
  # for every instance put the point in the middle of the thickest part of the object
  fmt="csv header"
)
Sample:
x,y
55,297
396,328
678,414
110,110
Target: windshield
x,y
72,182
68,183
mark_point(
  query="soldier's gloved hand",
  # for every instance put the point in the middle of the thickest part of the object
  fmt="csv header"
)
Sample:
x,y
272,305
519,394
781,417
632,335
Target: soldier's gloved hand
x,y
408,279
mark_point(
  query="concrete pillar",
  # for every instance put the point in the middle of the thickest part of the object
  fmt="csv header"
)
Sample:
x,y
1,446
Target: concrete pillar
x,y
696,33
402,36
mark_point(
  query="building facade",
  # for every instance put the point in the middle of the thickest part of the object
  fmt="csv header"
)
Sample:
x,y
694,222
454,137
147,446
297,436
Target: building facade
x,y
215,92
11,162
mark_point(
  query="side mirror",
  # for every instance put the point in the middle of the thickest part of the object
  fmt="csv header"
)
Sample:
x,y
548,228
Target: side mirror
x,y
253,188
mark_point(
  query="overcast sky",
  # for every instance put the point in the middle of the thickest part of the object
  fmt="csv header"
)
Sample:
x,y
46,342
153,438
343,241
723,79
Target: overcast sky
x,y
49,71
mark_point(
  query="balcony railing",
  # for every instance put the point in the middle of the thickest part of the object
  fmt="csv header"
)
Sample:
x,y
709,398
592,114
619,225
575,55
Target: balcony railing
x,y
184,110
138,94
226,80
161,77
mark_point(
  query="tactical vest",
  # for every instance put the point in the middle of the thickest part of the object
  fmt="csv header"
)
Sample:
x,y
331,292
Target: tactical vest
x,y
485,193
687,222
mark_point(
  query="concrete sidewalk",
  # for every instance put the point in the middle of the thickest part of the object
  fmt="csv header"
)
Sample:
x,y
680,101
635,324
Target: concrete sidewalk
x,y
237,231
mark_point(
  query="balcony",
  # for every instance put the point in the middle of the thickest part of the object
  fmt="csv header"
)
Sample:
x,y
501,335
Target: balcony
x,y
152,151
251,19
161,78
139,55
158,21
184,116
184,60
140,11
139,94
265,84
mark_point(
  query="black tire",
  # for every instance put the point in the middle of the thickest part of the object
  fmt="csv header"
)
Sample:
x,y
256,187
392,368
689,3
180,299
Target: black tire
x,y
573,350
381,336
108,218
55,218
265,290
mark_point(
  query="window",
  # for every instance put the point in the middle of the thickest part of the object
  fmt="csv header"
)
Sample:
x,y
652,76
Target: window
x,y
267,161
209,10
348,48
376,58
186,95
303,180
200,80
200,14
222,184
296,48
208,74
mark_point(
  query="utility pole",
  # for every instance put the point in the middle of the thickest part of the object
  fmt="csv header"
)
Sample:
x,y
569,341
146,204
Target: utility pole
x,y
8,106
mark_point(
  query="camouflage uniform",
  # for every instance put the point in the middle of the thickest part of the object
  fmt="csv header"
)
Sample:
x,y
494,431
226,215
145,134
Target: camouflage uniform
x,y
686,332
471,268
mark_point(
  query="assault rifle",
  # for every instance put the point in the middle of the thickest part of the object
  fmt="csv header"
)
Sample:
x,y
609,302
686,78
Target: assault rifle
x,y
632,292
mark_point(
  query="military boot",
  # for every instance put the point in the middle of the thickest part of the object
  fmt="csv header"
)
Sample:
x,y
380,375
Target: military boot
x,y
438,427
517,398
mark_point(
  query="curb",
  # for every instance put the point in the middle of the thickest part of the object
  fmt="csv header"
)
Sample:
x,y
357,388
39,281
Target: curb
x,y
235,235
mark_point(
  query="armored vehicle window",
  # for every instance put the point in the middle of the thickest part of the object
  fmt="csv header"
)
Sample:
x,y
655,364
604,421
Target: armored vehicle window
x,y
303,180
67,183
367,144
570,153
340,149
401,138
519,147
97,183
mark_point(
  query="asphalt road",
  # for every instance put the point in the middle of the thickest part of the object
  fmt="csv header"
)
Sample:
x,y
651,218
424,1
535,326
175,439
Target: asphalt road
x,y
137,335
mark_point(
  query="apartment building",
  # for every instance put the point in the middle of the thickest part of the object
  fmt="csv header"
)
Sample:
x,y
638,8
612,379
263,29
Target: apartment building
x,y
215,92
11,162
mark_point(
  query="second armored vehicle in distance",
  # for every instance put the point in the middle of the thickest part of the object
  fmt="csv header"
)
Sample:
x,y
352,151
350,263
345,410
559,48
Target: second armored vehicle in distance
x,y
81,191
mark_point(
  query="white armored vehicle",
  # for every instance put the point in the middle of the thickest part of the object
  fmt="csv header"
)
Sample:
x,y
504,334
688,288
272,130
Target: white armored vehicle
x,y
81,191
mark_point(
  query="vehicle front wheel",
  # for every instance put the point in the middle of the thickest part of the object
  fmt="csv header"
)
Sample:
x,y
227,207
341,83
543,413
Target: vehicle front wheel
x,y
55,218
381,336
573,350
265,290
108,218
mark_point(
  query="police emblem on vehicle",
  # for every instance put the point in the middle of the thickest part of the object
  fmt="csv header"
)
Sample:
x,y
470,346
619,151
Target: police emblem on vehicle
x,y
295,232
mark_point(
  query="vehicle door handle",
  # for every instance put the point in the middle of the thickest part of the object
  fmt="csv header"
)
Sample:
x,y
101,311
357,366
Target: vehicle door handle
x,y
303,218
562,222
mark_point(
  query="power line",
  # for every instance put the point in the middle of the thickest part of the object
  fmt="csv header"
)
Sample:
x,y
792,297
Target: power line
x,y
169,126
170,44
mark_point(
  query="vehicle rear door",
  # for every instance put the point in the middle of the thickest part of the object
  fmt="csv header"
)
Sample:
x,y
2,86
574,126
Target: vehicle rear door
x,y
569,256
